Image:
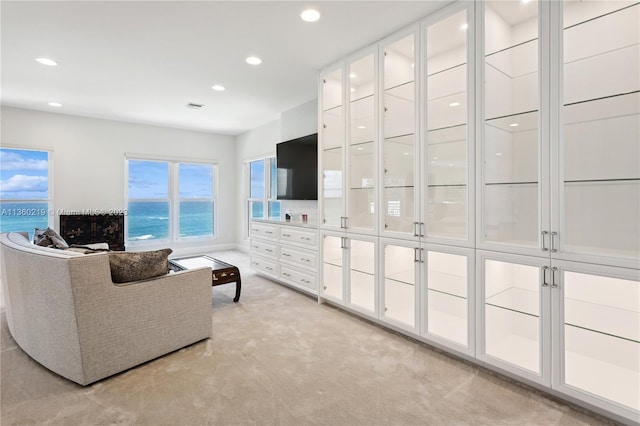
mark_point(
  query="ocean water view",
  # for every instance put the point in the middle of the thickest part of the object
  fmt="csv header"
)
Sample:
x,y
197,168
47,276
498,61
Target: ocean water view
x,y
23,216
146,220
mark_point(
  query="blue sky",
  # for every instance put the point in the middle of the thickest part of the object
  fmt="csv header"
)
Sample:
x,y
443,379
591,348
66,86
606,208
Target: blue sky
x,y
150,179
257,179
24,174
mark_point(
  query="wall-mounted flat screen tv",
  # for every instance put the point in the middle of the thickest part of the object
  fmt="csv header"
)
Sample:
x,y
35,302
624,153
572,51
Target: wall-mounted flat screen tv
x,y
297,162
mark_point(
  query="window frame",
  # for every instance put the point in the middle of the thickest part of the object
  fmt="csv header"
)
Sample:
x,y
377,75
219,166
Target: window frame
x,y
174,199
50,184
268,196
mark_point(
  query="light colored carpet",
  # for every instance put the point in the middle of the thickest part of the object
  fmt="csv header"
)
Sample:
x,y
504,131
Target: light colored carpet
x,y
279,358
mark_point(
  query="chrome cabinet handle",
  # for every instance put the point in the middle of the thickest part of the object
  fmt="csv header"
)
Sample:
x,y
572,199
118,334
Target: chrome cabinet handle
x,y
544,235
553,240
544,276
416,233
421,225
415,255
554,270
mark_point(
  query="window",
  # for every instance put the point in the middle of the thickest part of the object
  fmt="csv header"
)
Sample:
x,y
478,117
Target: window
x,y
24,190
169,200
262,202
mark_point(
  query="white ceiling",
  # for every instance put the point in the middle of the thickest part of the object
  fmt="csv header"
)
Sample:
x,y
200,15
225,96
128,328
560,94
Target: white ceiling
x,y
144,61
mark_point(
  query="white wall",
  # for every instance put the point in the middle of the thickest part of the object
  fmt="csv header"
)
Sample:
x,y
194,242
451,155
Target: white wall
x,y
89,161
299,121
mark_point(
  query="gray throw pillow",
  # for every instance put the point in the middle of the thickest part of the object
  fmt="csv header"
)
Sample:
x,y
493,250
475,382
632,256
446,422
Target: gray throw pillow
x,y
49,238
135,266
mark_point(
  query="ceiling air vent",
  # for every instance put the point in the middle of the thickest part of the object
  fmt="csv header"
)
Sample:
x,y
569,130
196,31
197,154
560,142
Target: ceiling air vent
x,y
194,106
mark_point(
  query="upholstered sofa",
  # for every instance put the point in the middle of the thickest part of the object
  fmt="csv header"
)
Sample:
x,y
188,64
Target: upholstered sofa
x,y
64,310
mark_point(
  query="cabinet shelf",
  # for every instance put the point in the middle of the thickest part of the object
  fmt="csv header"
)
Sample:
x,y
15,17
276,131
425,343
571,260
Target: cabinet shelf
x,y
453,126
577,24
603,180
447,69
361,143
332,108
361,98
511,47
447,293
601,98
516,299
399,280
387,89
515,114
390,138
510,183
335,148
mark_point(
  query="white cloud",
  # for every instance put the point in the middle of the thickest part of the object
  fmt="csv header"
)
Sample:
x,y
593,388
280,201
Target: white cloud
x,y
24,183
14,161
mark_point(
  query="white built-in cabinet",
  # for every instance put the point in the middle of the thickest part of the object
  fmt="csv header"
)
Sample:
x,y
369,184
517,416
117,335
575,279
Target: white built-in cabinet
x,y
480,191
559,198
349,266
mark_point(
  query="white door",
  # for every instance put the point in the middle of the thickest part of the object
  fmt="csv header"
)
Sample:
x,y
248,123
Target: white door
x,y
514,314
402,269
597,335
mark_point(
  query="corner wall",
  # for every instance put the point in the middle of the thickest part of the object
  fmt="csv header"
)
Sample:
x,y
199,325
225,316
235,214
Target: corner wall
x,y
261,142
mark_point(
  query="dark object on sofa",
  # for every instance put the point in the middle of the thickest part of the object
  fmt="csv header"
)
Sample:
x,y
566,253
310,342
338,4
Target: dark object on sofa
x,y
81,229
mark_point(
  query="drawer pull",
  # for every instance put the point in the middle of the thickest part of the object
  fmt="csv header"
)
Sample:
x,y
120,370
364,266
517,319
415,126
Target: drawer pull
x,y
286,254
269,250
286,235
286,275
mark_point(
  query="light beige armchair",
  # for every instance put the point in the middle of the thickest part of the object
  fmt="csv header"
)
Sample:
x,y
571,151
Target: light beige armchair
x,y
64,310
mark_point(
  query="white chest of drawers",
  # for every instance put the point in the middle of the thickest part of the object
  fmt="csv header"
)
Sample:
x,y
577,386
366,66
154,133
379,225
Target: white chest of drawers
x,y
285,252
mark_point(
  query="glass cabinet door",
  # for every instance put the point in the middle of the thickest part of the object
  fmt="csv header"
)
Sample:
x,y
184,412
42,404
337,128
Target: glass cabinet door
x,y
601,329
332,153
600,171
399,149
362,272
514,335
362,152
447,131
401,277
332,267
447,296
511,154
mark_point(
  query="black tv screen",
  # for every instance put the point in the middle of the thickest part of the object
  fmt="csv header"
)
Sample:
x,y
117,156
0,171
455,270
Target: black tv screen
x,y
297,162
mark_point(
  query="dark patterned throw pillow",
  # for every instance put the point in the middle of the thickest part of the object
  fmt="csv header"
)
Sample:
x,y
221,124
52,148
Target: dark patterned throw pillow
x,y
49,238
135,266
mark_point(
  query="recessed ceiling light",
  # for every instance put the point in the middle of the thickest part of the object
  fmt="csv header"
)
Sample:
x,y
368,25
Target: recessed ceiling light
x,y
464,26
360,149
254,60
352,75
361,127
310,15
218,88
498,154
513,125
454,104
47,61
353,90
405,153
55,104
525,1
